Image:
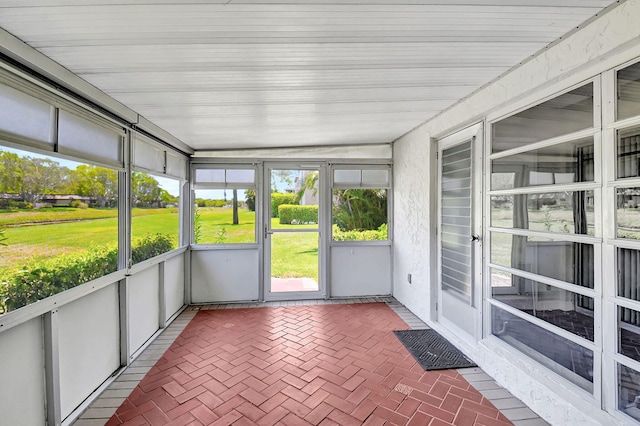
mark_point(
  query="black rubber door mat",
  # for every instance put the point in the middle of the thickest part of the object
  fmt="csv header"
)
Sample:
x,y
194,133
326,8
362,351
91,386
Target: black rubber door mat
x,y
432,351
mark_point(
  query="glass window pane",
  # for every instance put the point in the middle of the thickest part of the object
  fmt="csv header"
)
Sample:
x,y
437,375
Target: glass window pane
x,y
215,219
629,91
628,153
569,212
628,213
359,214
375,177
561,115
558,164
567,310
347,177
629,391
566,358
241,175
629,333
210,176
628,262
560,260
58,225
155,219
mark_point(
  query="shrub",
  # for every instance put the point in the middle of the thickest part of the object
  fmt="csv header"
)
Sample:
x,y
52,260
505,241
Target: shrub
x,y
375,234
77,204
150,246
250,199
39,279
294,214
277,199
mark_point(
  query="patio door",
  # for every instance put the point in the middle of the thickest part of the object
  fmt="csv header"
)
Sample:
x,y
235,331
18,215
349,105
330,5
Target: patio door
x,y
292,232
459,231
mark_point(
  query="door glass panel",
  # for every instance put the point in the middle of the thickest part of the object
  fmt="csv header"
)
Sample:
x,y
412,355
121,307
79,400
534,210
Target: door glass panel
x,y
628,271
456,275
628,213
294,231
629,333
561,115
628,391
628,153
628,89
558,164
294,261
564,357
561,260
570,311
567,212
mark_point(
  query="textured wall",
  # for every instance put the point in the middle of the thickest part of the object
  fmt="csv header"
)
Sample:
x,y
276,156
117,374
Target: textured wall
x,y
604,43
413,203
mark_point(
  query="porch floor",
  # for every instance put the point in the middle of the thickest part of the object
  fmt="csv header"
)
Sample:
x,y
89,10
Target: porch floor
x,y
297,363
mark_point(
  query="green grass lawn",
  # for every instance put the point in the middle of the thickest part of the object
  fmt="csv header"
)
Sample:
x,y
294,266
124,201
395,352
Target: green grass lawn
x,y
294,255
33,239
32,235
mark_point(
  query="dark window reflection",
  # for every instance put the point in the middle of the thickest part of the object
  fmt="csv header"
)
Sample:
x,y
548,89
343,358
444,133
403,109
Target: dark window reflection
x,y
629,91
558,164
628,153
570,360
628,213
570,311
628,262
629,391
560,260
568,212
629,332
562,115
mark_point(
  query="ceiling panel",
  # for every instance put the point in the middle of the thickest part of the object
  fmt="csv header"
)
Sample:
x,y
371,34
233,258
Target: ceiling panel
x,y
257,73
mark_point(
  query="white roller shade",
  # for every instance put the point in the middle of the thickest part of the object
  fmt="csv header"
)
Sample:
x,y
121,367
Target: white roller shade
x,y
211,178
85,138
147,155
176,166
347,177
361,178
25,116
151,156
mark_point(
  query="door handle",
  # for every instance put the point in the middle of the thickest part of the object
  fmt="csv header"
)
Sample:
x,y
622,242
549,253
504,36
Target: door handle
x,y
474,238
267,232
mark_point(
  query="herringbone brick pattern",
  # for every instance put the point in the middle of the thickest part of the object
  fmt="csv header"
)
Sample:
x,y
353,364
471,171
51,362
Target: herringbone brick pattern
x,y
300,365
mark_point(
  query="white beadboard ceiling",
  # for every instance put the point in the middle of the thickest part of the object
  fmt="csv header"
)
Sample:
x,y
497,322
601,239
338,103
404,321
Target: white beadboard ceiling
x,y
281,73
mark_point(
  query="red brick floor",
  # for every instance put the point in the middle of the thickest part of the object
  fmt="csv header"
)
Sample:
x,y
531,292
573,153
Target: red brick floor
x,y
300,365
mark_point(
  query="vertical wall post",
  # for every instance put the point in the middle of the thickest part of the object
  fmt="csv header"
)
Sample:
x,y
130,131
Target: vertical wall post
x,y
162,296
52,368
123,293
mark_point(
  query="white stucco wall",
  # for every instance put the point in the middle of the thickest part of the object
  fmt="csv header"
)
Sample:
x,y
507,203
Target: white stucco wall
x,y
604,43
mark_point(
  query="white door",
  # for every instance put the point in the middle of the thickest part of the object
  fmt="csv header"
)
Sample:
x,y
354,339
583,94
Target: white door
x,y
459,233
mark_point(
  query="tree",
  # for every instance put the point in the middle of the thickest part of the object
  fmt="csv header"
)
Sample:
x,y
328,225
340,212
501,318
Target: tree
x,y
146,190
359,209
235,207
96,182
250,198
310,184
41,177
10,172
